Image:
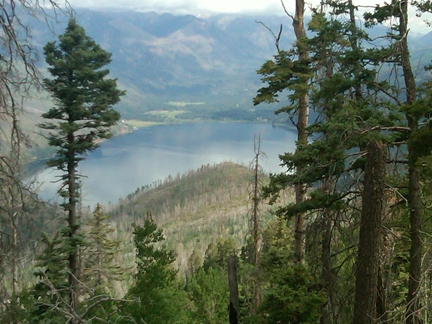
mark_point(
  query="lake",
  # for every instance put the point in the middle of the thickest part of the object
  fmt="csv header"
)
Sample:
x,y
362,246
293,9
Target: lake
x,y
124,163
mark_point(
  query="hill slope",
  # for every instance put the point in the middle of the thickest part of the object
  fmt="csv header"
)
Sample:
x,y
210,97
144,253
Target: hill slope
x,y
194,209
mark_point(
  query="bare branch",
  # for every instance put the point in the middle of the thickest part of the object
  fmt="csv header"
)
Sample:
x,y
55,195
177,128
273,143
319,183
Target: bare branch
x,y
277,38
286,11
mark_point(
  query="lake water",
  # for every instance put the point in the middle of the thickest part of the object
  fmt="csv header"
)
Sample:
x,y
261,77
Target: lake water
x,y
122,164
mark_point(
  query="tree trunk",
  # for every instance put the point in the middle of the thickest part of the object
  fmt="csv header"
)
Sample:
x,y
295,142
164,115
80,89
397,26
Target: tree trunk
x,y
326,273
255,202
381,299
413,305
255,222
302,134
355,46
373,203
234,305
72,223
14,256
412,312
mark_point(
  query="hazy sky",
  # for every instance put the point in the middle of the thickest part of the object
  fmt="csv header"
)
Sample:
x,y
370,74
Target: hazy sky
x,y
222,6
198,6
186,6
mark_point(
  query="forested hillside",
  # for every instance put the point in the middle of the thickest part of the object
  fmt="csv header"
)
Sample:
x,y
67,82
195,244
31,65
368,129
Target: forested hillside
x,y
196,209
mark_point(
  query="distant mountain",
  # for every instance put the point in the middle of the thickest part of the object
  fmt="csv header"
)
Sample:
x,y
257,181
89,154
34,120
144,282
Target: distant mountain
x,y
163,58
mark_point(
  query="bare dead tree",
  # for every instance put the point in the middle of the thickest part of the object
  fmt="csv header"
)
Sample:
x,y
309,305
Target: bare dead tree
x,y
18,77
254,212
255,199
60,304
234,306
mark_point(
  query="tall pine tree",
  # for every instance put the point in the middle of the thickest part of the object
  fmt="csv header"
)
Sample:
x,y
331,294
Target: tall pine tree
x,y
83,114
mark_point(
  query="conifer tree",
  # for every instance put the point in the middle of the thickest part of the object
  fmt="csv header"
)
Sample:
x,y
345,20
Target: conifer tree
x,y
195,261
290,295
159,299
414,102
294,76
51,291
83,114
216,254
208,292
344,93
100,266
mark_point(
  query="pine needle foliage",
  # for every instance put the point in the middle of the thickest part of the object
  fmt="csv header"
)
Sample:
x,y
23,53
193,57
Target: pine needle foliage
x,y
101,266
83,94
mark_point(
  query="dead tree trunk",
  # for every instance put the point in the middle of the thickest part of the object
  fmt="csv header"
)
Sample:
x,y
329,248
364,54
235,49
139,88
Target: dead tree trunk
x,y
373,203
234,305
255,200
254,211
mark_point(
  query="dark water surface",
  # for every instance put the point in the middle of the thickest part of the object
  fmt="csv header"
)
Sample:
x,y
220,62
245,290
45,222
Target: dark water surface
x,y
127,162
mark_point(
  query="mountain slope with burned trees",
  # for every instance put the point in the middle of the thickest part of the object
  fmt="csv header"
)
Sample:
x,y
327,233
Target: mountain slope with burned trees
x,y
196,208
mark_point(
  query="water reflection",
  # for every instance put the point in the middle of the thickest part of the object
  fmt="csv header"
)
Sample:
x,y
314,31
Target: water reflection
x,y
125,163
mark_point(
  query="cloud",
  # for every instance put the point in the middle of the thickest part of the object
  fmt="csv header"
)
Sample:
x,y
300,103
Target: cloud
x,y
185,6
181,7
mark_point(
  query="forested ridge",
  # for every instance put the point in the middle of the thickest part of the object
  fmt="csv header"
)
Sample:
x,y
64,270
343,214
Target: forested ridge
x,y
195,209
340,235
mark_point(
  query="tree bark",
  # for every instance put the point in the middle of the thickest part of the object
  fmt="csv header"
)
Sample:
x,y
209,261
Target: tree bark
x,y
373,203
72,223
381,299
255,202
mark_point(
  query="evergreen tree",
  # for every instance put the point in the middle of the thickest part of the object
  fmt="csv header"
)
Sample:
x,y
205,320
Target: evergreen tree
x,y
414,102
83,114
345,94
208,292
195,261
357,103
49,295
216,255
290,294
159,298
100,264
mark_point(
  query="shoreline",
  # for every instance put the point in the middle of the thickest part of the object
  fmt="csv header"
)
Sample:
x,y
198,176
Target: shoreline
x,y
128,126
